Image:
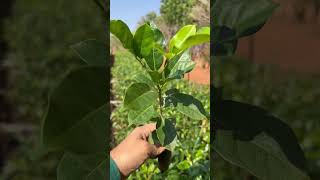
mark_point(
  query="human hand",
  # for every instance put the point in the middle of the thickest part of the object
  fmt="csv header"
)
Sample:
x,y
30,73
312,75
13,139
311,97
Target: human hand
x,y
135,149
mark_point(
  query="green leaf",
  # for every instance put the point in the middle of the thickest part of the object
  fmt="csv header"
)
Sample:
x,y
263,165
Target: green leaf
x,y
143,41
141,78
155,59
75,108
185,104
92,52
184,165
246,17
139,96
85,167
119,29
158,36
143,116
249,137
165,132
178,66
182,35
235,19
261,156
202,36
155,76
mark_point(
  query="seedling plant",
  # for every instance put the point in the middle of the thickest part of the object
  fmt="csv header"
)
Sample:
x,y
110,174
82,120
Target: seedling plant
x,y
148,98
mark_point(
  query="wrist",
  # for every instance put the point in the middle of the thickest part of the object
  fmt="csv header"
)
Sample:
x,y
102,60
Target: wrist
x,y
116,158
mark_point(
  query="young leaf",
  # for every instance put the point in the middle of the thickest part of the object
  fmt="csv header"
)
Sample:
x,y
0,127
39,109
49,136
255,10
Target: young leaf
x,y
185,104
74,109
86,167
119,29
143,116
202,36
139,96
143,41
178,66
182,35
92,52
251,138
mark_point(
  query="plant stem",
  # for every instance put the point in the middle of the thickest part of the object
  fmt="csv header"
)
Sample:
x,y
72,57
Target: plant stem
x,y
160,99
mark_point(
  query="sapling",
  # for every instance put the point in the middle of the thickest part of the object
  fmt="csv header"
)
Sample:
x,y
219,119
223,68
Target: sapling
x,y
148,98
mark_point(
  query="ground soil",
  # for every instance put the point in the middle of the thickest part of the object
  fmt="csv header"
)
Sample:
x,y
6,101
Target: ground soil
x,y
201,73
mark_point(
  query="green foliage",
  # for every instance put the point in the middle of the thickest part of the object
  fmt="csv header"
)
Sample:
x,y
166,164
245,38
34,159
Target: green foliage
x,y
246,135
78,105
141,98
190,158
291,96
39,34
175,11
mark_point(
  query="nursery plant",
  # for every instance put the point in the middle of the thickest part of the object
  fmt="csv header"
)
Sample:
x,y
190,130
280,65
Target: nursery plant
x,y
148,98
246,135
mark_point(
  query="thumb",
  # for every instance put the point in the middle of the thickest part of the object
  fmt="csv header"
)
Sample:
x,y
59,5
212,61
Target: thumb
x,y
156,150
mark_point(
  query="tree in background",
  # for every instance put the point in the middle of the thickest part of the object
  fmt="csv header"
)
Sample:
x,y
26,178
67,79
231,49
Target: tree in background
x,y
175,13
150,17
200,14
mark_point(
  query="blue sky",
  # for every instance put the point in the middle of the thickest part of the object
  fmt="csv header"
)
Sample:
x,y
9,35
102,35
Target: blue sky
x,y
130,11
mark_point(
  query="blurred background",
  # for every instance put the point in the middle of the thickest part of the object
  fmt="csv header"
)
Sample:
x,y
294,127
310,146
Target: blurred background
x,y
35,40
191,156
279,69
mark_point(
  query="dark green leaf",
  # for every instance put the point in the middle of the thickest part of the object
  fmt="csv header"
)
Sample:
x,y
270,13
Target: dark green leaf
x,y
75,108
246,17
234,19
178,66
251,138
166,132
139,96
92,52
143,41
119,29
85,167
185,104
